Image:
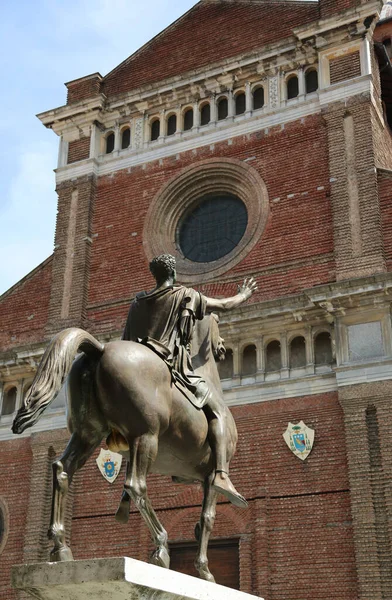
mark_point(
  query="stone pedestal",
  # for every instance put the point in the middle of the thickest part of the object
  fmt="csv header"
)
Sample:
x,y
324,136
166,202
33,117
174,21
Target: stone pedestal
x,y
117,579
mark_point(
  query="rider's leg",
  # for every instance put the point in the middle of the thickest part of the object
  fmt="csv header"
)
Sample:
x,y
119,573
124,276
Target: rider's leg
x,y
217,439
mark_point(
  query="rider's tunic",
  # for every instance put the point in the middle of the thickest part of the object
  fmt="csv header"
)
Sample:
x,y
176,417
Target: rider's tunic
x,y
154,319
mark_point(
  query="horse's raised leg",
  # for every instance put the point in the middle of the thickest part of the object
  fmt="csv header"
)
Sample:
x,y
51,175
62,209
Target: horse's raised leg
x,y
122,514
204,527
142,452
76,453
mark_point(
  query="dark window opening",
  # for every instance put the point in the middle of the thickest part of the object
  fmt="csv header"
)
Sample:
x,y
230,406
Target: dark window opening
x,y
125,138
223,560
311,81
205,114
226,367
213,228
258,98
249,360
155,130
188,119
323,349
240,104
223,109
297,353
385,74
292,87
109,143
273,359
388,46
9,401
172,125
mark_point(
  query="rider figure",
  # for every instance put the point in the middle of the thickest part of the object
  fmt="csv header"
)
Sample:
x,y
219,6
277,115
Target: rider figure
x,y
164,320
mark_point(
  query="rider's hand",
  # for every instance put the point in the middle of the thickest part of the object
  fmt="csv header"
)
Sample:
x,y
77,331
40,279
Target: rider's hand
x,y
248,287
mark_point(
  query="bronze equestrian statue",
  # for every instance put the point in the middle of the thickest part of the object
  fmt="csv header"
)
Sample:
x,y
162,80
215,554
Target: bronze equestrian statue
x,y
156,398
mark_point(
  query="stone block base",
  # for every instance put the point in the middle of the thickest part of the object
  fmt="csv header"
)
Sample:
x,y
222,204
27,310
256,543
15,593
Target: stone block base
x,y
117,579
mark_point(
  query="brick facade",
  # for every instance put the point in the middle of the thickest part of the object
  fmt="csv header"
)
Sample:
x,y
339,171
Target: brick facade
x,y
315,529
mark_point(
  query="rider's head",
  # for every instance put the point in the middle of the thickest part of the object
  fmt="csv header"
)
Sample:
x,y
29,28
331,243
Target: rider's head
x,y
162,267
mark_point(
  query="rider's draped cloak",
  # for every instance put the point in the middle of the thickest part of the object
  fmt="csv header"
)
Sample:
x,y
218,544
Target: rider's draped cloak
x,y
154,319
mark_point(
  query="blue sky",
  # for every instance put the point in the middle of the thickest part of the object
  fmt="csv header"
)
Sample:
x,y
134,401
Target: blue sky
x,y
44,43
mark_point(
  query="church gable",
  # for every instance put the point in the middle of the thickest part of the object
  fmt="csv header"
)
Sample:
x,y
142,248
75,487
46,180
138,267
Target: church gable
x,y
208,33
24,308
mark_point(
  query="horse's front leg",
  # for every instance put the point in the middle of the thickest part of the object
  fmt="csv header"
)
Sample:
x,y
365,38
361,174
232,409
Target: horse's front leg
x,y
204,528
142,453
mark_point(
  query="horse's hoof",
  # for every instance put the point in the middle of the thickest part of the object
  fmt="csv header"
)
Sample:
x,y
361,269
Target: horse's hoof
x,y
63,554
207,576
197,531
160,558
122,514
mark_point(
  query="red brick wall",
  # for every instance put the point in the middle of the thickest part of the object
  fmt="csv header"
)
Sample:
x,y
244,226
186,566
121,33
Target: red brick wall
x,y
24,308
78,150
345,67
228,29
295,250
299,517
14,482
83,89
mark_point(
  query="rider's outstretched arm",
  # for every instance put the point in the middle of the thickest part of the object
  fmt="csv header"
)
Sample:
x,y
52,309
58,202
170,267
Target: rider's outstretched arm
x,y
244,292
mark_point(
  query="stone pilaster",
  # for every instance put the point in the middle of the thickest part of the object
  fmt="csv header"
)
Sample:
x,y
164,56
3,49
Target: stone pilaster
x,y
354,192
72,254
368,416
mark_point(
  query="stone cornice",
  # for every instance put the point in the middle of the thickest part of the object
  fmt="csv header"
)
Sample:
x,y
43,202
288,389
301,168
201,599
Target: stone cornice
x,y
286,54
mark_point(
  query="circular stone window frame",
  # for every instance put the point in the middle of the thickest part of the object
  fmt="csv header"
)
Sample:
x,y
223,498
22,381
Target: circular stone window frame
x,y
181,195
5,514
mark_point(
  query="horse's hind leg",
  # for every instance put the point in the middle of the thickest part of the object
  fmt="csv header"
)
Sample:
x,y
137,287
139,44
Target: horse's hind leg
x,y
142,452
204,528
75,455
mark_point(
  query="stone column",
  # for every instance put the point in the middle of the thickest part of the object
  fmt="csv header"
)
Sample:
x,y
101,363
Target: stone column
x,y
213,113
248,99
196,116
62,159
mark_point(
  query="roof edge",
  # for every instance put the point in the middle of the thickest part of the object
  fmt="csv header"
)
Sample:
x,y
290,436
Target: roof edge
x,y
26,277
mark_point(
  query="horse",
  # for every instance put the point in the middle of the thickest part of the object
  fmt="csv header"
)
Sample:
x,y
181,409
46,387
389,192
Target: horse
x,y
124,392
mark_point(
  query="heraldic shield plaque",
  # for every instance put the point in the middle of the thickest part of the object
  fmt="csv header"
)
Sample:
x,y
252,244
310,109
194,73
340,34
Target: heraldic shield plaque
x,y
299,438
109,463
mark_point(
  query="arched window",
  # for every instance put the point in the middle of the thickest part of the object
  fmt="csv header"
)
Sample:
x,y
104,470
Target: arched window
x,y
249,360
240,104
172,125
311,81
155,129
297,353
223,109
188,119
225,367
273,359
125,138
9,401
323,349
205,114
258,98
292,87
109,147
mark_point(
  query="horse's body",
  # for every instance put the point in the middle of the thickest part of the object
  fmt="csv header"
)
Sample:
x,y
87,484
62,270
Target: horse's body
x,y
124,392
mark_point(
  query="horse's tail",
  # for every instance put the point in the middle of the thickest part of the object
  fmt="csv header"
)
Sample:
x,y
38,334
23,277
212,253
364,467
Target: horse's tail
x,y
54,367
